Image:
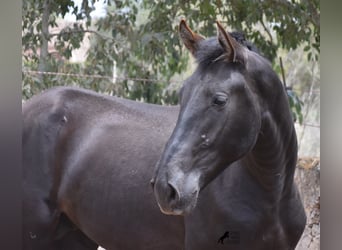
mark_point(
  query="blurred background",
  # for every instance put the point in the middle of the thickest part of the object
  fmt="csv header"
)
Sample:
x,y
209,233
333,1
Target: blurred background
x,y
131,49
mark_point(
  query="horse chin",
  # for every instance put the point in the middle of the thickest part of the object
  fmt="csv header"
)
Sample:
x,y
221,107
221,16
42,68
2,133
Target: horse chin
x,y
172,212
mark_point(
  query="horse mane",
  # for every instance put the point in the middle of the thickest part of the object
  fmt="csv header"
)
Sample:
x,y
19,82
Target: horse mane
x,y
210,50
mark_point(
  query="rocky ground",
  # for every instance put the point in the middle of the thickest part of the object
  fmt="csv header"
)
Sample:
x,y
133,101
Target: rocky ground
x,y
307,178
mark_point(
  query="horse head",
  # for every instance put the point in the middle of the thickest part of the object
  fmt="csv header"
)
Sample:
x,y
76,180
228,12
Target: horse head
x,y
218,123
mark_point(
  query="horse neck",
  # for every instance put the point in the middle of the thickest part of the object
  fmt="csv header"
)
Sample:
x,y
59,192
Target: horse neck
x,y
273,159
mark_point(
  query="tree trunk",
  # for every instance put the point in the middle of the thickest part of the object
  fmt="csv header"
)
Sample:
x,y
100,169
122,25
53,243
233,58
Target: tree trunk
x,y
45,35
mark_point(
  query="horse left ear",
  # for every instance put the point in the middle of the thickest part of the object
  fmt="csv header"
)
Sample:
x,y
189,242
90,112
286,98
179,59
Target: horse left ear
x,y
234,51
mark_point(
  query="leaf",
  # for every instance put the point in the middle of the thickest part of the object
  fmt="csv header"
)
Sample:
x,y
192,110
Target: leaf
x,y
141,36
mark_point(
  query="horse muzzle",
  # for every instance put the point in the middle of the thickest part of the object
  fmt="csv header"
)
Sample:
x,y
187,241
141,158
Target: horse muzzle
x,y
176,195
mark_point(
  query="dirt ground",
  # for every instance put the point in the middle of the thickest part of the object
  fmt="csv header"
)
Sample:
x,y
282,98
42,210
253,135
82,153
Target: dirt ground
x,y
307,178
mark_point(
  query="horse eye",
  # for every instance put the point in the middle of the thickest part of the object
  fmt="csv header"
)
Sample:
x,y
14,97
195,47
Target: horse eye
x,y
220,100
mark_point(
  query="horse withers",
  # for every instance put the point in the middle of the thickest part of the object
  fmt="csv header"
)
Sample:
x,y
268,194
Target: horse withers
x,y
229,163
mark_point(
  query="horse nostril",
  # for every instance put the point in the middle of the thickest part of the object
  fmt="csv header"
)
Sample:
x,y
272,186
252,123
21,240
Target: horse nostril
x,y
173,192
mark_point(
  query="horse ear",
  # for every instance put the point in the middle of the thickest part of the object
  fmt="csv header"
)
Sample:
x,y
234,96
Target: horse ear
x,y
189,38
234,51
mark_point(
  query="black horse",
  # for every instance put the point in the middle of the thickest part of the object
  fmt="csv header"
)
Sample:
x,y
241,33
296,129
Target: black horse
x,y
235,136
87,161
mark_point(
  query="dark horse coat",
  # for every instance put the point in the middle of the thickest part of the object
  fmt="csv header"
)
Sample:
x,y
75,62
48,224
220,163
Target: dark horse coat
x,y
88,160
235,136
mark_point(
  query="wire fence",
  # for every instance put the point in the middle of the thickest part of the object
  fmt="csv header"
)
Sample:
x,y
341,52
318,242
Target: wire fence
x,y
110,78
307,131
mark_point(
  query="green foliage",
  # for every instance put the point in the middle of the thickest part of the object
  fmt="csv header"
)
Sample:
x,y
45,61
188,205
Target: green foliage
x,y
151,48
269,24
32,21
142,38
296,106
34,37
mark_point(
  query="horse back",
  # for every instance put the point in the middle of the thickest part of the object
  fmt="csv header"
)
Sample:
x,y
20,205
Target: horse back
x,y
78,144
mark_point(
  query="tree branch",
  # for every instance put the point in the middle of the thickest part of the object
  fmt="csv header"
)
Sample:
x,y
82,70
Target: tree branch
x,y
44,37
267,31
82,31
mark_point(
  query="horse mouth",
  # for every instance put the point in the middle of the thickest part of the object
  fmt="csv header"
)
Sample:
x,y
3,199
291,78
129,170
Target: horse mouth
x,y
180,208
171,212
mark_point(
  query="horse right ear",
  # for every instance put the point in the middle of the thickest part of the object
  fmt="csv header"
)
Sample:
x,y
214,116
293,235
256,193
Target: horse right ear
x,y
233,50
189,38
